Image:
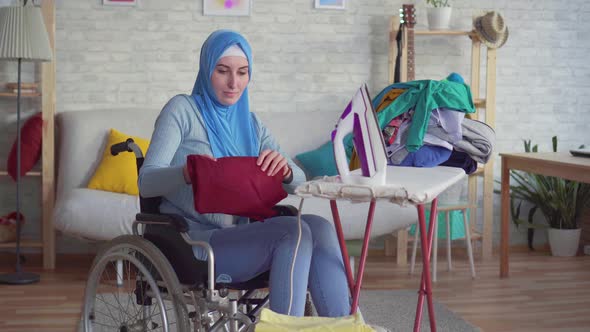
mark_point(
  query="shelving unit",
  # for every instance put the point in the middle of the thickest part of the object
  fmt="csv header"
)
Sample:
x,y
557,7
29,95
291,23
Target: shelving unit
x,y
485,105
47,82
22,95
31,173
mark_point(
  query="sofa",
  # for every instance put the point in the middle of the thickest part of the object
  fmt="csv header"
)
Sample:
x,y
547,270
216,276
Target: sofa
x,y
101,215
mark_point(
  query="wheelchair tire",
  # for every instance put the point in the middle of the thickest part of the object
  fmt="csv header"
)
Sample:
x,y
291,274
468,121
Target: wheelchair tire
x,y
149,297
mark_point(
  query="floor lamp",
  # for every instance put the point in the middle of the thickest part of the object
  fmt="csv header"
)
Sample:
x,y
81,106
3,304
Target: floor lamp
x,y
23,37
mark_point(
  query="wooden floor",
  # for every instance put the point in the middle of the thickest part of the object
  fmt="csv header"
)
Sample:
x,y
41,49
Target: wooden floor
x,y
544,293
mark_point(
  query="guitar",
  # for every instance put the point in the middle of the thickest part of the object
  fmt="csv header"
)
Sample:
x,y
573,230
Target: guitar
x,y
408,20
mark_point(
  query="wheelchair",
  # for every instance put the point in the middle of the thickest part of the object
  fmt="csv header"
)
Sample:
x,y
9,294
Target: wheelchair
x,y
151,281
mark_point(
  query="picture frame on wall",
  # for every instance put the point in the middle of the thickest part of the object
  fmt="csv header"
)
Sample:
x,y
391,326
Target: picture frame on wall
x,y
227,7
330,4
119,2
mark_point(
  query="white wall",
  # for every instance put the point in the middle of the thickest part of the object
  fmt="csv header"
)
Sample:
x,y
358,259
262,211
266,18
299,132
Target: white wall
x,y
307,59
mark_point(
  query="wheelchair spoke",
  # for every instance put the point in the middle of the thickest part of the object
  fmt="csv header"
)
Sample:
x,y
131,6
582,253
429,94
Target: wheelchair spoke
x,y
108,306
122,310
142,293
116,307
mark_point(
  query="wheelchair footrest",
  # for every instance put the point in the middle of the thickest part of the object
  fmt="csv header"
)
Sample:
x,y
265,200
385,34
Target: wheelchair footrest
x,y
252,301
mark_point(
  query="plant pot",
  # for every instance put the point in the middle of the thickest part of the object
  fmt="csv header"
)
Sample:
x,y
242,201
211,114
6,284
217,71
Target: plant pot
x,y
564,242
439,18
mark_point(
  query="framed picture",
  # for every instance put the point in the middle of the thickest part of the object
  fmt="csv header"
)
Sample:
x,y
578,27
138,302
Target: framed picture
x,y
330,4
227,7
119,2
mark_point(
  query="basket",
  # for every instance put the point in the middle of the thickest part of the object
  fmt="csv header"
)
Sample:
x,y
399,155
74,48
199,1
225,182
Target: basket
x,y
8,227
7,233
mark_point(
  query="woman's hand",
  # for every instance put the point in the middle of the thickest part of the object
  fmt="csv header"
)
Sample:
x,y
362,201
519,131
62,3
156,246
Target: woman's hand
x,y
272,163
186,174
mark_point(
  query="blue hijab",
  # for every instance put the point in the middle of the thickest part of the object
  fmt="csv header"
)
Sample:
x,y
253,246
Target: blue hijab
x,y
229,128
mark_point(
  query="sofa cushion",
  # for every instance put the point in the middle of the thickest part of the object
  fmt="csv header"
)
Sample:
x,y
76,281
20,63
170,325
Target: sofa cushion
x,y
95,214
82,135
30,147
118,173
319,162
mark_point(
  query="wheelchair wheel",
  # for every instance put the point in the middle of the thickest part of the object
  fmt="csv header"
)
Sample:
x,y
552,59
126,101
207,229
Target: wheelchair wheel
x,y
149,298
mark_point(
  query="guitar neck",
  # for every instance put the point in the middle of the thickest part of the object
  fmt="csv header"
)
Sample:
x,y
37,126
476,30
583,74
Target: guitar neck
x,y
409,20
410,61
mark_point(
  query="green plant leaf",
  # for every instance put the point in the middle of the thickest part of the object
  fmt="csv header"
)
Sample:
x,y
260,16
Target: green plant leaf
x,y
531,230
527,145
515,211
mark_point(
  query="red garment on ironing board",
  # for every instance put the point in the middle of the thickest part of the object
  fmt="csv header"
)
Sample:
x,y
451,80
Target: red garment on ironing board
x,y
235,186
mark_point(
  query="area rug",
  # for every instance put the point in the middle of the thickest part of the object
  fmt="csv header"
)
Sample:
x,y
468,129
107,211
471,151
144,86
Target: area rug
x,y
395,310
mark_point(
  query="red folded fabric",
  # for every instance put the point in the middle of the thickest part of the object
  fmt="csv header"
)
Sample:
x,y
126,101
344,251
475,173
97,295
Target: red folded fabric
x,y
235,186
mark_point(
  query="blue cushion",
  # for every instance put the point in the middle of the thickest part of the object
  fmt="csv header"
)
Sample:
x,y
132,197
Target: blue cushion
x,y
319,162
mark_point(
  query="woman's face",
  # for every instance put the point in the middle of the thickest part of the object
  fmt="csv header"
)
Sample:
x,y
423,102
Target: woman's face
x,y
229,79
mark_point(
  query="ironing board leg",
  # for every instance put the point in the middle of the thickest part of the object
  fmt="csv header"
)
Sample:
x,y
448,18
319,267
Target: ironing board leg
x,y
426,284
342,243
355,285
363,259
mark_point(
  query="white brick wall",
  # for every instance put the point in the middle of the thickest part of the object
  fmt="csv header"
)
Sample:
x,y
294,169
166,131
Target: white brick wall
x,y
307,59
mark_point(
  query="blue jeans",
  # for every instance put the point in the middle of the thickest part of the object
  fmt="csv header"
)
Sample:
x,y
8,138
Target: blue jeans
x,y
298,257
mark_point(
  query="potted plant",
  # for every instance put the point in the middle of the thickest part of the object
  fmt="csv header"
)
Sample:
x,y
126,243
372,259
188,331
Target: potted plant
x,y
561,202
439,14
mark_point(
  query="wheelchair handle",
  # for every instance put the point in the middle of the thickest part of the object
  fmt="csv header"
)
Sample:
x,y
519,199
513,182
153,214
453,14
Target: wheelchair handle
x,y
129,146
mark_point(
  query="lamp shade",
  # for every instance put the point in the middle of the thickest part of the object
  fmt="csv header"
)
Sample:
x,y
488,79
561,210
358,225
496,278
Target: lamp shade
x,y
23,34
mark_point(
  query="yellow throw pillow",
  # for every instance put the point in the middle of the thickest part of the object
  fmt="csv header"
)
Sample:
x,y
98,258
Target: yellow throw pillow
x,y
118,173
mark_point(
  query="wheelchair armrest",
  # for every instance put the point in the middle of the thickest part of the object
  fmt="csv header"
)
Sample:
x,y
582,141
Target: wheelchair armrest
x,y
181,225
286,210
178,222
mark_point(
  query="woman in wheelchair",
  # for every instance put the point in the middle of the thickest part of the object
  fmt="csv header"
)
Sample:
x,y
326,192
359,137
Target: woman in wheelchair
x,y
215,121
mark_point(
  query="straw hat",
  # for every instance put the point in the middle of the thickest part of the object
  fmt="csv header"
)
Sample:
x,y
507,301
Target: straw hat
x,y
490,29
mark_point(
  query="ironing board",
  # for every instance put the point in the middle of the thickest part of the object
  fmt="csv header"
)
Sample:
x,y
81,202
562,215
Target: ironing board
x,y
404,185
